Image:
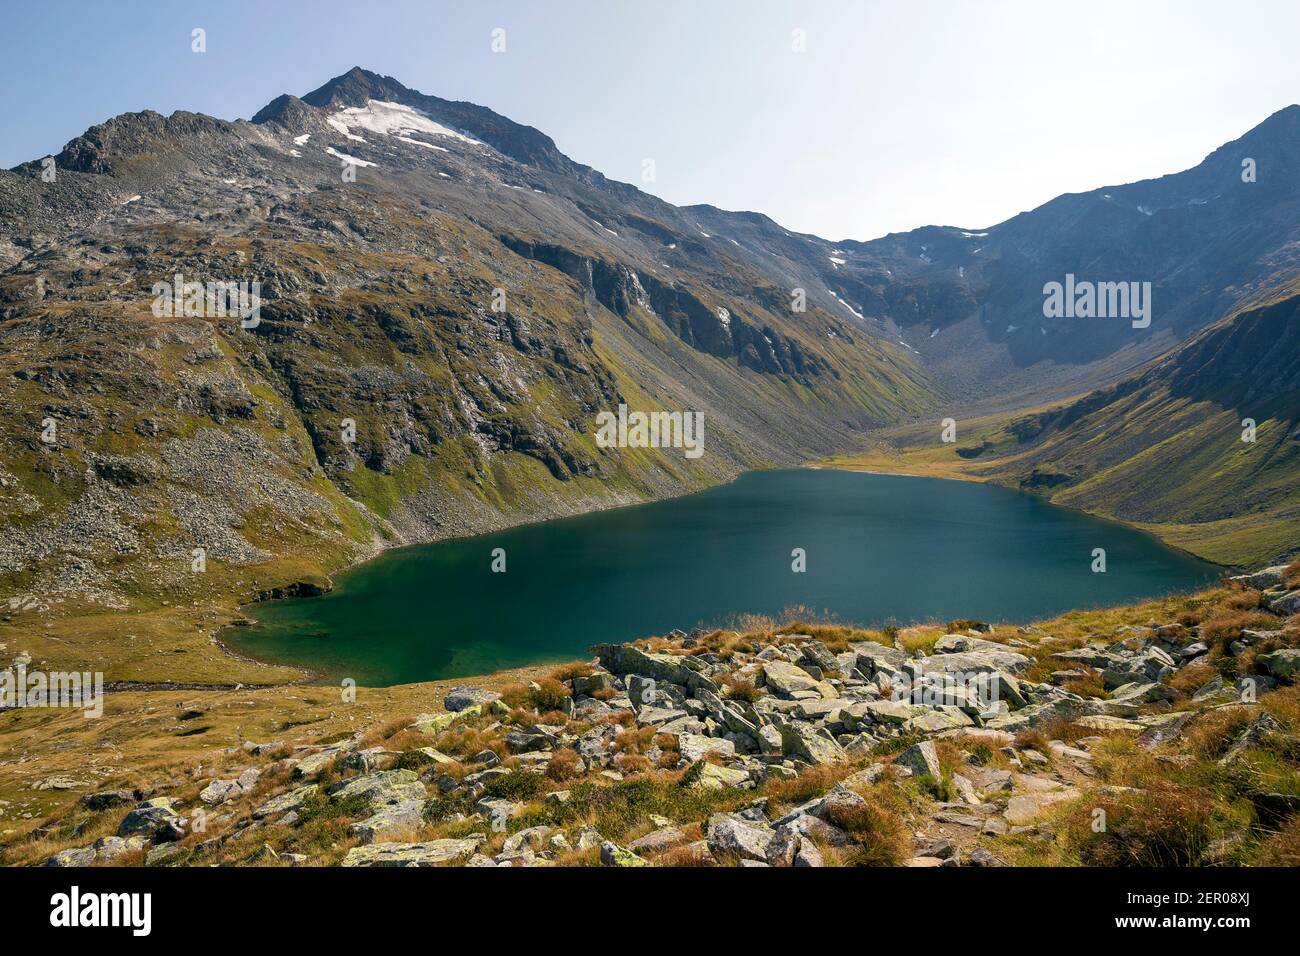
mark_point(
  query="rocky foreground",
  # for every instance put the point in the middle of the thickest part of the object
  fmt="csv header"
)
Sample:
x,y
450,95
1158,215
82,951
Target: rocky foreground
x,y
1176,742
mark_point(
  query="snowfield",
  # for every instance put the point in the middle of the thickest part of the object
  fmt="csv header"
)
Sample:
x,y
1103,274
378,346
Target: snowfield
x,y
392,119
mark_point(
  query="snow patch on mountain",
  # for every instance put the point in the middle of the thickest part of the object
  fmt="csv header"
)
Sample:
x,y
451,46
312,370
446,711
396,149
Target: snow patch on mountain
x,y
393,119
350,159
344,129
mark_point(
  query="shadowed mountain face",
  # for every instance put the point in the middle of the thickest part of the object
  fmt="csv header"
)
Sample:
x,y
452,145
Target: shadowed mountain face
x,y
447,302
971,301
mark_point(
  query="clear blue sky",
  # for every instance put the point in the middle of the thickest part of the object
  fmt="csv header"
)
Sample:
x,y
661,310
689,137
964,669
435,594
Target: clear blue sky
x,y
900,112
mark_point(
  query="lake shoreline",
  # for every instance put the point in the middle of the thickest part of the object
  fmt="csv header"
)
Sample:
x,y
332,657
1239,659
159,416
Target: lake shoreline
x,y
930,524
977,480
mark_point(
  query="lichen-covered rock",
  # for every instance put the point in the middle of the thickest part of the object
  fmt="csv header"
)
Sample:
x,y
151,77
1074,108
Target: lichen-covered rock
x,y
285,802
922,759
1283,664
431,853
611,854
460,698
736,839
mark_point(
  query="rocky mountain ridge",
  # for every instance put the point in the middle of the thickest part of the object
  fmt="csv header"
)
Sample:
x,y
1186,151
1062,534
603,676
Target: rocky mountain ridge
x,y
448,301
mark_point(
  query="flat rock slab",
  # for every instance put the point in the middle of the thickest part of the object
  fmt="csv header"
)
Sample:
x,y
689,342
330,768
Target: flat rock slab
x,y
694,746
976,662
408,815
1104,723
433,853
285,802
1027,807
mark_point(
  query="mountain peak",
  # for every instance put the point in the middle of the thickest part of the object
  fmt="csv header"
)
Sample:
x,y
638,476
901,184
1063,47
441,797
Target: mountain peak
x,y
358,86
355,87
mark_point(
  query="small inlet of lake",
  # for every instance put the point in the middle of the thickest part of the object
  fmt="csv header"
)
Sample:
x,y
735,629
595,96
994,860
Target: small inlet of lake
x,y
878,549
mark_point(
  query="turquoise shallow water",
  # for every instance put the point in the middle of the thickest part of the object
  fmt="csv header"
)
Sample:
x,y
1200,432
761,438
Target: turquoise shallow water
x,y
878,548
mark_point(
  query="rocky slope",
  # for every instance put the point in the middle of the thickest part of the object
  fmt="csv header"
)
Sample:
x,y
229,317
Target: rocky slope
x,y
807,746
445,308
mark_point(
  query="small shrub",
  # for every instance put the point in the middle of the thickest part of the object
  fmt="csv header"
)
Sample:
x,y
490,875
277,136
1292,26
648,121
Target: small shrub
x,y
630,763
569,671
550,694
1090,685
882,836
812,782
1283,847
634,741
1165,825
1032,738
740,688
378,736
1225,626
565,764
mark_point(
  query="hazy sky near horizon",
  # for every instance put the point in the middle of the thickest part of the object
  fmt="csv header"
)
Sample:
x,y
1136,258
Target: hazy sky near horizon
x,y
899,113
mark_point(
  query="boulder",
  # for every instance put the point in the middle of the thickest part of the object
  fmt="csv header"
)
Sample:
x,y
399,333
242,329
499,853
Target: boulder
x,y
658,841
933,721
219,791
1027,807
385,786
83,856
109,848
407,815
1140,693
802,739
626,659
1105,723
107,799
710,776
982,857
530,838
735,839
1283,664
611,854
285,802
1287,604
1163,728
921,759
312,764
592,683
460,698
807,854
155,820
976,662
432,853
694,747
962,643
785,678
887,711
434,724
1263,579
162,854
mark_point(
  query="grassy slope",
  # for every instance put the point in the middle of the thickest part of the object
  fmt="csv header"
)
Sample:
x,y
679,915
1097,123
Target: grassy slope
x,y
1162,450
